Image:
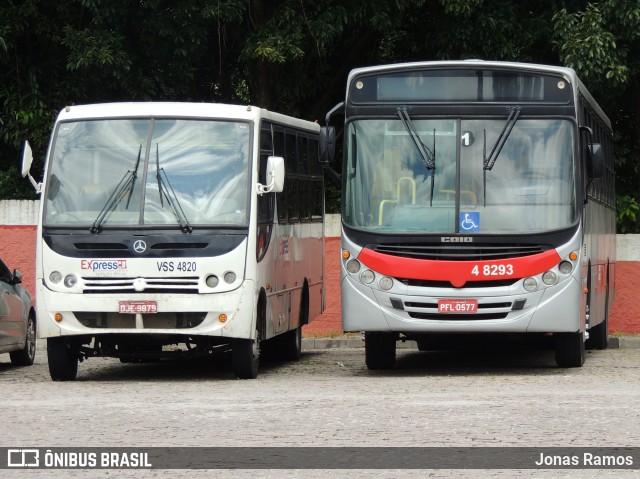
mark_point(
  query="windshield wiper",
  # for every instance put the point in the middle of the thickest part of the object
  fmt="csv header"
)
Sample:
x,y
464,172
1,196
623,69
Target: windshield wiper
x,y
488,162
126,184
170,194
428,155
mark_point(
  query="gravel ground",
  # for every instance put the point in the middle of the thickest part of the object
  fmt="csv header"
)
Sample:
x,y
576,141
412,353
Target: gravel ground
x,y
329,398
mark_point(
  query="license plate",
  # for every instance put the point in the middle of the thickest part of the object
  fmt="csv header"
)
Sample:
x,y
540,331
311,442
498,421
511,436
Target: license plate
x,y
460,306
134,307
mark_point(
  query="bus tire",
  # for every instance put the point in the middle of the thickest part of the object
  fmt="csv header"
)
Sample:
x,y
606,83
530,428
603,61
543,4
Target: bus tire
x,y
291,346
599,334
570,350
63,359
245,358
379,350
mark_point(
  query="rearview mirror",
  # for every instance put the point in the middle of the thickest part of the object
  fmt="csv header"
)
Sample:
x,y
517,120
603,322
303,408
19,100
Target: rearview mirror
x,y
27,159
327,144
275,176
595,160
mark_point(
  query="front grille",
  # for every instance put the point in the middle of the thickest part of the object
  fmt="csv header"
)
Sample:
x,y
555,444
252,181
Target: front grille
x,y
429,310
425,283
415,304
182,285
459,252
113,320
458,317
100,246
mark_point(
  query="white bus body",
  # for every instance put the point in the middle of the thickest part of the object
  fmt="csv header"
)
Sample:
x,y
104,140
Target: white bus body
x,y
159,227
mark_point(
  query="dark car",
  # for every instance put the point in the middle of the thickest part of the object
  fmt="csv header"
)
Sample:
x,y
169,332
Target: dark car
x,y
17,318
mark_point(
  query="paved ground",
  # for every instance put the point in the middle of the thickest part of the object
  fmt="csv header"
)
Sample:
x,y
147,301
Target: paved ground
x,y
329,398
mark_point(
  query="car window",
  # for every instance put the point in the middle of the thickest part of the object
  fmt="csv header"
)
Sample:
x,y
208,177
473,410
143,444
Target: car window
x,y
5,272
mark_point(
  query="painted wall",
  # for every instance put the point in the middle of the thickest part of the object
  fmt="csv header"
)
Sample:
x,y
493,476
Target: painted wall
x,y
18,238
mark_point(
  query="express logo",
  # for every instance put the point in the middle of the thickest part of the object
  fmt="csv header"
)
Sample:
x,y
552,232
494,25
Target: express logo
x,y
103,264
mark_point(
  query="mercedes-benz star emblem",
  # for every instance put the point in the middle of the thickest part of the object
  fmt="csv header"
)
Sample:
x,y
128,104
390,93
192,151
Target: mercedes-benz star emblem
x,y
139,246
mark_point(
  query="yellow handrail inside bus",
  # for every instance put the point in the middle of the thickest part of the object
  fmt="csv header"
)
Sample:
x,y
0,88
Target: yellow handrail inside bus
x,y
402,180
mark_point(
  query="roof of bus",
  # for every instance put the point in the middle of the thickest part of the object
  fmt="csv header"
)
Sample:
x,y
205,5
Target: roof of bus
x,y
179,109
568,73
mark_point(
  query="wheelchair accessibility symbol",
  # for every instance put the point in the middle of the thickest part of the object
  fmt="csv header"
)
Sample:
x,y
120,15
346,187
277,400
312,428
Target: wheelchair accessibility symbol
x,y
469,221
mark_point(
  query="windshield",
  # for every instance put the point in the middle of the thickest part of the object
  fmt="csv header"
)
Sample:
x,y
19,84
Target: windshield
x,y
529,188
162,172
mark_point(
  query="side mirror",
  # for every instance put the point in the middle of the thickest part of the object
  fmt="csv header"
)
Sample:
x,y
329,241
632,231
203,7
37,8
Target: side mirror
x,y
17,276
27,160
595,160
327,144
275,176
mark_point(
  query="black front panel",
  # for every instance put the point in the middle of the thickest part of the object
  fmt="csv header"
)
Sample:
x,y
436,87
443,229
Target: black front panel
x,y
460,247
149,245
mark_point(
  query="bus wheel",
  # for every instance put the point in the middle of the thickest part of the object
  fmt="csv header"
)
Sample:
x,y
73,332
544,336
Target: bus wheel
x,y
380,350
291,346
245,357
569,349
599,336
63,359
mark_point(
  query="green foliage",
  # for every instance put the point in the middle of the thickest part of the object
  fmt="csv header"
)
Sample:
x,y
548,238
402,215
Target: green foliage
x,y
294,56
628,215
586,44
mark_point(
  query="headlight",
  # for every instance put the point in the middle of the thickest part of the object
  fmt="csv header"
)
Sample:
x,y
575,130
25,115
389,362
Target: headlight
x,y
212,281
70,281
565,267
386,283
353,266
55,277
230,277
530,284
549,278
367,276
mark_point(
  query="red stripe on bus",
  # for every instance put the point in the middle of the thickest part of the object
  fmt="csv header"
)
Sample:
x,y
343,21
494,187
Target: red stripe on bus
x,y
458,272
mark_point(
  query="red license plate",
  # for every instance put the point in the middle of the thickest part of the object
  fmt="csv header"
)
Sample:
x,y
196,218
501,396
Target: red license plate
x,y
134,307
459,306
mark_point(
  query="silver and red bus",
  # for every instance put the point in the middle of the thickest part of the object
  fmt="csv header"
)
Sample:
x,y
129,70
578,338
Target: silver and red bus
x,y
477,200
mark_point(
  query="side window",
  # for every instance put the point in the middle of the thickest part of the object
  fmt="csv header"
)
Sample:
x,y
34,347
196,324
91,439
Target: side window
x,y
291,173
315,168
265,202
291,154
5,272
278,150
303,182
317,199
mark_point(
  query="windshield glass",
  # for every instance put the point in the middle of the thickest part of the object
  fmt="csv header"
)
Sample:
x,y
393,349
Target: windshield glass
x,y
95,176
530,187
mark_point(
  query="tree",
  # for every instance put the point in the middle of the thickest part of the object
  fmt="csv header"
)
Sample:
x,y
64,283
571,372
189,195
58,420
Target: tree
x,y
601,42
291,56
